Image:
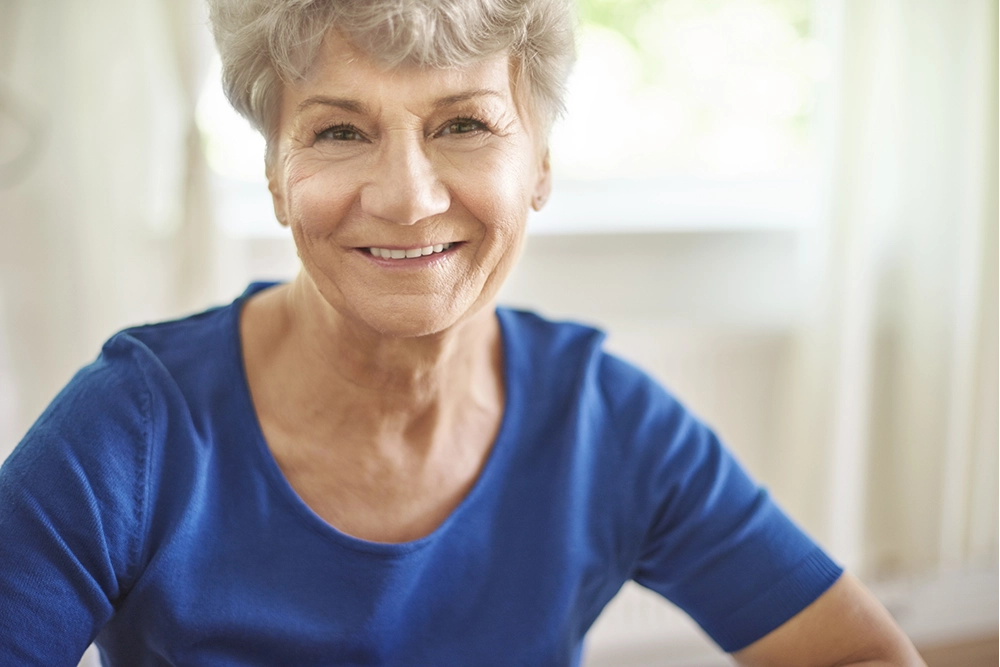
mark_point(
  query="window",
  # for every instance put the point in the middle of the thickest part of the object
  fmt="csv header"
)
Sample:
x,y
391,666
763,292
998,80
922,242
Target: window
x,y
235,153
682,114
688,114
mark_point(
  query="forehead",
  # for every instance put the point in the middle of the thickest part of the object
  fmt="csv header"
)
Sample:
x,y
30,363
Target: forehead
x,y
343,71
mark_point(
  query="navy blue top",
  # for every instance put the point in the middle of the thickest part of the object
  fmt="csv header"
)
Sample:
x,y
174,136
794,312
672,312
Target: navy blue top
x,y
144,511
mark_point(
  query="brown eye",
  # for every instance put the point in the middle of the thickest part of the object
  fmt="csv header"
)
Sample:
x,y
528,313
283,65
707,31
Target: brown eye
x,y
340,133
463,126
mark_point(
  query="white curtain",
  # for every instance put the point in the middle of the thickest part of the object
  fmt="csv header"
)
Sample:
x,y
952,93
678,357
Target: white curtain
x,y
891,449
103,217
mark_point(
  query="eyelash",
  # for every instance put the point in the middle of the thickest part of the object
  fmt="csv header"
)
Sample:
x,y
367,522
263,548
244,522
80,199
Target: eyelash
x,y
347,127
341,127
482,125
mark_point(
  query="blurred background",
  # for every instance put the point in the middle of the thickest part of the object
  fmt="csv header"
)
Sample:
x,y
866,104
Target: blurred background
x,y
786,210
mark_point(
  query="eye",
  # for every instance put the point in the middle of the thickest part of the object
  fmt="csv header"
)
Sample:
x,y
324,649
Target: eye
x,y
463,126
340,133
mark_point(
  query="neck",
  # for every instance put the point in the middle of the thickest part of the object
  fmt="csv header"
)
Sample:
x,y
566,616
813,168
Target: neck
x,y
335,373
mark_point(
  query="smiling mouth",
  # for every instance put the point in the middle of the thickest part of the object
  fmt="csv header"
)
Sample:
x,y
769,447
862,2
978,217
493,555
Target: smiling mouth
x,y
409,253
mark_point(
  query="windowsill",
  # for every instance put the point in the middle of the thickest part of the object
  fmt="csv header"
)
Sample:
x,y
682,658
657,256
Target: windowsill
x,y
675,206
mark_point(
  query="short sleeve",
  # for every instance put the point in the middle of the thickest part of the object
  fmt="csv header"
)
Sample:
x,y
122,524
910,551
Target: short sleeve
x,y
714,542
71,511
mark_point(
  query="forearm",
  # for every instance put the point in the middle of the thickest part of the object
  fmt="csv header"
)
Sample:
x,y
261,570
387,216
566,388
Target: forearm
x,y
903,661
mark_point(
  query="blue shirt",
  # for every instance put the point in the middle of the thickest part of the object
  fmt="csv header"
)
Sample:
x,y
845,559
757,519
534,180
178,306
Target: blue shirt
x,y
144,511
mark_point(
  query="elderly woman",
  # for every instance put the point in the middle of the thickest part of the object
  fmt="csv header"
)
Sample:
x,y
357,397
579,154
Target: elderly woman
x,y
372,464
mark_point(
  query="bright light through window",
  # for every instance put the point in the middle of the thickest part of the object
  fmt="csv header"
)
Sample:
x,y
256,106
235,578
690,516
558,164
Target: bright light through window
x,y
710,89
232,148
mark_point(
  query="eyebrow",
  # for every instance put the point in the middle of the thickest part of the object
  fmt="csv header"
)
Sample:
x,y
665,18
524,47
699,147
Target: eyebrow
x,y
466,96
352,106
355,106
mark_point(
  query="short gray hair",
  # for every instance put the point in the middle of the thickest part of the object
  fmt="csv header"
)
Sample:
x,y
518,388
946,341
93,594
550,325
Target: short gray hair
x,y
267,43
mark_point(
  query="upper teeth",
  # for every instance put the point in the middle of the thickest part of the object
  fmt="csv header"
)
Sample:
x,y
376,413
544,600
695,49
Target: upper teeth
x,y
412,252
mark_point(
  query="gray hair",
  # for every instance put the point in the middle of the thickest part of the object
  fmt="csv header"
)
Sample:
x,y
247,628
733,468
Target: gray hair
x,y
267,43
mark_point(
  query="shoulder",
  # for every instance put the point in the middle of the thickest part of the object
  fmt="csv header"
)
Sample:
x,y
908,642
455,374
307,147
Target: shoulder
x,y
609,415
189,363
107,401
81,470
101,426
95,455
570,358
538,342
535,338
136,366
176,344
105,419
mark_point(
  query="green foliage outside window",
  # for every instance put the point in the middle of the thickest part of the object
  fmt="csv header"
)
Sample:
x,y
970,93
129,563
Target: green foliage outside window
x,y
711,88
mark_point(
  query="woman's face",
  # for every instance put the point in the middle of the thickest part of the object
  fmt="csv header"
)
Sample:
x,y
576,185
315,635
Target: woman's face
x,y
435,165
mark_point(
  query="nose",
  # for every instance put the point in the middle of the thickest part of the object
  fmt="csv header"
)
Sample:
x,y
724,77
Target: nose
x,y
404,187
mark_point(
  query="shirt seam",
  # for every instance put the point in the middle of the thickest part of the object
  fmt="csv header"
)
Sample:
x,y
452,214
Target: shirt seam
x,y
626,566
141,492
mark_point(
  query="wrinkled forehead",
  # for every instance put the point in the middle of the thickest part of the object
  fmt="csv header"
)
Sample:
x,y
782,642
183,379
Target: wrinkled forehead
x,y
343,70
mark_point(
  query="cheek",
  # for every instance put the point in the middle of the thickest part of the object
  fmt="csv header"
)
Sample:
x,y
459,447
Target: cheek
x,y
317,202
509,206
496,191
499,198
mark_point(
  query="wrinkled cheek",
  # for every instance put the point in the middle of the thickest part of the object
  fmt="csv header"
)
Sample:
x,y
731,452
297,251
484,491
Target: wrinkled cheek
x,y
507,234
315,210
514,247
507,198
506,242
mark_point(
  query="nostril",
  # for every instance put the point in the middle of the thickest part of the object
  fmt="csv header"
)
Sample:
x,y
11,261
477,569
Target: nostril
x,y
402,205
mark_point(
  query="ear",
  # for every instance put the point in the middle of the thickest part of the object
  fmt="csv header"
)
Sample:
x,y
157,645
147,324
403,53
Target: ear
x,y
274,185
543,187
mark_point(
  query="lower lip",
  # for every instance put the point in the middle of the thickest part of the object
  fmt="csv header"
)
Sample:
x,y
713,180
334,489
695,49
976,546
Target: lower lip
x,y
409,262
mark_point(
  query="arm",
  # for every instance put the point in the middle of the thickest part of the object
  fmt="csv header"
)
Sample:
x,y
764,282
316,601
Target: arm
x,y
844,626
70,503
718,547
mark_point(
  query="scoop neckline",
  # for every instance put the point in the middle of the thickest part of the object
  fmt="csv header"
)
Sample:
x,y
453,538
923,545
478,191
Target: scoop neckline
x,y
290,498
